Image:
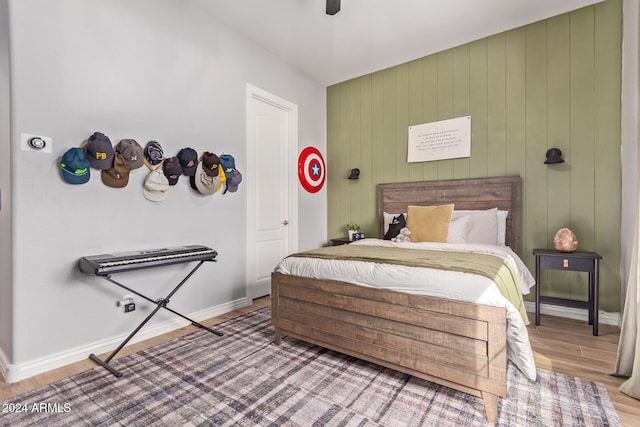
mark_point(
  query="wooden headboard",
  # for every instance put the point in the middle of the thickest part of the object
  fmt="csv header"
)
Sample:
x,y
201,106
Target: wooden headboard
x,y
471,193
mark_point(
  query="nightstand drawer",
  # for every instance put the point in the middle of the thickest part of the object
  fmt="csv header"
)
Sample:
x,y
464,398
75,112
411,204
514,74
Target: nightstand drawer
x,y
568,263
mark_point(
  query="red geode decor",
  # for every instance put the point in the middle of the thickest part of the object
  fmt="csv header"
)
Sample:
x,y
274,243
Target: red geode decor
x,y
565,241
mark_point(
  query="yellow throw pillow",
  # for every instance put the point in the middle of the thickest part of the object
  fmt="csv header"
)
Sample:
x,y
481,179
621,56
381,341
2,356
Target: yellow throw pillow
x,y
429,223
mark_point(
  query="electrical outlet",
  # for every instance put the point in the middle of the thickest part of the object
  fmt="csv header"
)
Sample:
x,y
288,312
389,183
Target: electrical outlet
x,y
127,303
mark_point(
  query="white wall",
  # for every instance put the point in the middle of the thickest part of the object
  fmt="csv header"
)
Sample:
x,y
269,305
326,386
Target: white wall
x,y
5,191
149,70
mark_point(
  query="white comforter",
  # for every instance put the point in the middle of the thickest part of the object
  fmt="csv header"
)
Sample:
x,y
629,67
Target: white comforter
x,y
425,281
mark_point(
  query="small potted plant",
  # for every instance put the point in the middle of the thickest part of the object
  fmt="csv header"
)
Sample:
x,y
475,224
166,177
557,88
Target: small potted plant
x,y
352,228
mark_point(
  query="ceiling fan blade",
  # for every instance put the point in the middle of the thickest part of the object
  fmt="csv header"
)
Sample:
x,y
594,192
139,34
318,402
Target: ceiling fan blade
x,y
333,7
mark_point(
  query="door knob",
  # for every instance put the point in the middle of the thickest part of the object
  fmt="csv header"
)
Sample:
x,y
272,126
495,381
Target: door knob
x,y
285,222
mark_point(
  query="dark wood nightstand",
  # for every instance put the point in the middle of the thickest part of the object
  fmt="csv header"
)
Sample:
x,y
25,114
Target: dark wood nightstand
x,y
340,241
571,261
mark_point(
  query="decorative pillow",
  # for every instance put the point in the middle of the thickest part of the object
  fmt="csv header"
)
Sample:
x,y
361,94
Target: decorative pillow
x,y
397,224
429,223
483,225
458,229
388,218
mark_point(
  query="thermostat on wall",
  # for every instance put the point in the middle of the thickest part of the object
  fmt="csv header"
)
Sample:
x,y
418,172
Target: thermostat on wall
x,y
36,143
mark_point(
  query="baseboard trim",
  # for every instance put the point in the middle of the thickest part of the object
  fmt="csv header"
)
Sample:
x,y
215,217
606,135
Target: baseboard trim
x,y
604,317
19,371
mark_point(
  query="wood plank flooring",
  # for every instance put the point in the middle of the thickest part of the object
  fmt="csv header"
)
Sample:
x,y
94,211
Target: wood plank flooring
x,y
561,345
569,347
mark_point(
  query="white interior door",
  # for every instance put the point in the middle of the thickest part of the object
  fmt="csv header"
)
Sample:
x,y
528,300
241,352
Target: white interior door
x,y
272,129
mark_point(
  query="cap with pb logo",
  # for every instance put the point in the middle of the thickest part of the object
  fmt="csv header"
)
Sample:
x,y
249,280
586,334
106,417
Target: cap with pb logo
x,y
210,164
100,151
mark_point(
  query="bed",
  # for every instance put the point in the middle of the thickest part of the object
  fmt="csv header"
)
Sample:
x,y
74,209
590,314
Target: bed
x,y
456,343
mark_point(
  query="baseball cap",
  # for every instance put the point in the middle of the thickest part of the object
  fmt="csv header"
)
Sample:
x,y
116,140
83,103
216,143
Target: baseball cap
x,y
172,170
153,152
132,153
228,164
210,163
234,182
203,182
118,175
75,166
100,151
188,160
156,186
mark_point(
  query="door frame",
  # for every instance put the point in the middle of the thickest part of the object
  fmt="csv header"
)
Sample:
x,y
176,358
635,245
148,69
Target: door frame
x,y
254,94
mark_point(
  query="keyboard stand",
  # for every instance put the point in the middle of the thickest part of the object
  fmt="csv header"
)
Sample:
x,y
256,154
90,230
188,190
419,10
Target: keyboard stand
x,y
160,303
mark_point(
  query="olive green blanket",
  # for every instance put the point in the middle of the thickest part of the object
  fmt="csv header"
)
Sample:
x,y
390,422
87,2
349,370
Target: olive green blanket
x,y
486,265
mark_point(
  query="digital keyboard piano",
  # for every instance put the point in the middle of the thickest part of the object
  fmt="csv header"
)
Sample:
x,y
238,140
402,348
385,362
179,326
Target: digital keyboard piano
x,y
105,264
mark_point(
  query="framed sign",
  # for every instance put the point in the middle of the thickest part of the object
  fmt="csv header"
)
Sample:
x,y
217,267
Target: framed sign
x,y
445,139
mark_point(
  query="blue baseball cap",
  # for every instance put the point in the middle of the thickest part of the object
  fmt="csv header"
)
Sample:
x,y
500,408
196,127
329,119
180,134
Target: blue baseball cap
x,y
228,164
75,166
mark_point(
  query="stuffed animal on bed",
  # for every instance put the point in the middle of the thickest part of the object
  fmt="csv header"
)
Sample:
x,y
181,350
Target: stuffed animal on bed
x,y
403,236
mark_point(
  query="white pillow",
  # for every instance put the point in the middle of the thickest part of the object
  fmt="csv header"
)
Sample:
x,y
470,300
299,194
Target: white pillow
x,y
483,225
502,227
501,224
458,229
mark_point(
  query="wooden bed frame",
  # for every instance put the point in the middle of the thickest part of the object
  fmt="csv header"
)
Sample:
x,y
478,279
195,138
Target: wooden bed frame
x,y
452,343
467,194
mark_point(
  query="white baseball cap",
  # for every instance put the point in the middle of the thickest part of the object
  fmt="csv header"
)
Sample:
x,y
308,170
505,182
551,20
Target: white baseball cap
x,y
156,186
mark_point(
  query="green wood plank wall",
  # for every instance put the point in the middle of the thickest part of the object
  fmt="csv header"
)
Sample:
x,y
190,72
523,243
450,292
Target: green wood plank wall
x,y
554,83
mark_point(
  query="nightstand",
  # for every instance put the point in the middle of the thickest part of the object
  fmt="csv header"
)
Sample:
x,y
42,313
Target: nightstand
x,y
340,241
570,261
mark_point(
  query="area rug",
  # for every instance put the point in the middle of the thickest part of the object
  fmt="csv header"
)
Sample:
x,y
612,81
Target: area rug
x,y
243,379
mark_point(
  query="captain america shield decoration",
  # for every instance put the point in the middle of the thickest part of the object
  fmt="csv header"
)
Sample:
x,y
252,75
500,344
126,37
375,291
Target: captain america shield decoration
x,y
311,169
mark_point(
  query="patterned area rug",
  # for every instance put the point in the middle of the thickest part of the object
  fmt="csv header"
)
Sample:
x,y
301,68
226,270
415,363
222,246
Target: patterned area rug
x,y
244,379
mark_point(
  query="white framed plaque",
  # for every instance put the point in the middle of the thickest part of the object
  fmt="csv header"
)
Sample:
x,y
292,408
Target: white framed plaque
x,y
445,139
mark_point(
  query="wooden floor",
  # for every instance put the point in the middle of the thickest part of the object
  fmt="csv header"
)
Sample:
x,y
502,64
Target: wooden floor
x,y
559,344
568,346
